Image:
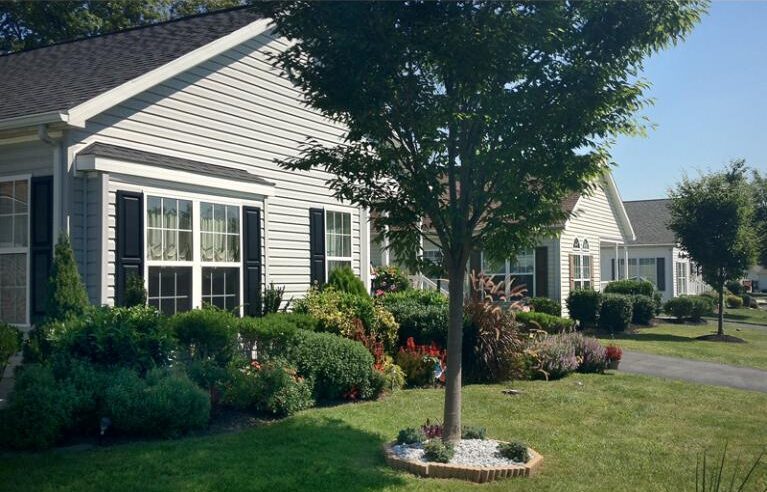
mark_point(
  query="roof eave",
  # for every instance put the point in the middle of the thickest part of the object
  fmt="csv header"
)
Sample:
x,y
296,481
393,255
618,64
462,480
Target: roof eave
x,y
34,120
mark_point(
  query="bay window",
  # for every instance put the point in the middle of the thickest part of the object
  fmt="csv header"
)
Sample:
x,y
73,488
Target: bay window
x,y
14,250
338,240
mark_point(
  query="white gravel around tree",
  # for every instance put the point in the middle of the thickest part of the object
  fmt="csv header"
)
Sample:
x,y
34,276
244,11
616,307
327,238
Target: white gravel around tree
x,y
471,452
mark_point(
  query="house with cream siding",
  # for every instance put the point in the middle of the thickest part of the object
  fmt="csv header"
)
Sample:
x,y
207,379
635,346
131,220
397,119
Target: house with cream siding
x,y
154,148
570,259
654,253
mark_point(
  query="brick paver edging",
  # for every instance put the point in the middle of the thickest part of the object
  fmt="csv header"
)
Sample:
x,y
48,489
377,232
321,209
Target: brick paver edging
x,y
479,474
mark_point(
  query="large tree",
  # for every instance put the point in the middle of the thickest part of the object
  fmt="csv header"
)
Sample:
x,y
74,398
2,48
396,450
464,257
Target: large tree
x,y
712,218
30,24
476,118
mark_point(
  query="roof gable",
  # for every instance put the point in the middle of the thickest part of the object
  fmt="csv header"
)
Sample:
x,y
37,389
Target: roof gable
x,y
61,77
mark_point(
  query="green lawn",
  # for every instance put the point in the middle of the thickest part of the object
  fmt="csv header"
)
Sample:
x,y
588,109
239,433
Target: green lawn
x,y
597,432
679,341
758,316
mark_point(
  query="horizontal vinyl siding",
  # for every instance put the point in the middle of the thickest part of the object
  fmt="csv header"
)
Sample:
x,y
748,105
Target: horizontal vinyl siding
x,y
35,158
235,110
593,220
85,230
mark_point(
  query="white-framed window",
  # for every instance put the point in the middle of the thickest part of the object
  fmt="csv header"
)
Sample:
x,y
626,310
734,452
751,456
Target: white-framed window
x,y
338,240
519,272
193,247
645,268
581,265
681,278
14,250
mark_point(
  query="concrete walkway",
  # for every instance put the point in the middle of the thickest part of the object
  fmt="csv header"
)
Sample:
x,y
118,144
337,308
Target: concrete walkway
x,y
694,370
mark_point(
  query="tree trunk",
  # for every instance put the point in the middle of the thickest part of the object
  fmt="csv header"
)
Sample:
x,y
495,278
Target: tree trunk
x,y
452,419
720,328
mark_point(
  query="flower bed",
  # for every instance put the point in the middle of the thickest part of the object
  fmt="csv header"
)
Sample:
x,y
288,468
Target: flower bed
x,y
476,460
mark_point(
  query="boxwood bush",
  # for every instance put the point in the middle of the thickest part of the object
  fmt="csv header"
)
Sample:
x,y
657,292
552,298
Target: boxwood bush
x,y
542,321
421,314
701,306
546,306
206,334
583,305
630,287
10,343
643,309
163,404
343,279
679,307
615,312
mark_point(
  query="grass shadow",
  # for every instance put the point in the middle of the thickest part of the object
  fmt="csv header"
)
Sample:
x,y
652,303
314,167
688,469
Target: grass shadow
x,y
653,337
301,453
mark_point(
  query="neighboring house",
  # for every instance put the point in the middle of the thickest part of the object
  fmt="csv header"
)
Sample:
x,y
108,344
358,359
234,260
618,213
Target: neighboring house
x,y
757,274
557,265
654,254
154,148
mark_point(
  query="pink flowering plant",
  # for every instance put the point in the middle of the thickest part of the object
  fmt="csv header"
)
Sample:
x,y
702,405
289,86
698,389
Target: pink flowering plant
x,y
389,279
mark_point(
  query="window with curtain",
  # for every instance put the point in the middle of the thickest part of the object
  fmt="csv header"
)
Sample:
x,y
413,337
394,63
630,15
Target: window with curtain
x,y
14,250
581,265
169,253
220,254
338,240
645,268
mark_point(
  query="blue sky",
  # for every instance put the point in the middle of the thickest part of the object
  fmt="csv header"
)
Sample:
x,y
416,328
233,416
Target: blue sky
x,y
710,103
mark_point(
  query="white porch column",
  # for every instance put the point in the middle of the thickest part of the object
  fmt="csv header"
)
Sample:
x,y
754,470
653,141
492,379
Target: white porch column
x,y
385,247
626,265
365,247
616,270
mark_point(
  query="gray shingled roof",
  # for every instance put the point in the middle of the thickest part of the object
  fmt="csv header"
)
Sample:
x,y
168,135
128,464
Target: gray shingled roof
x,y
142,157
650,218
61,76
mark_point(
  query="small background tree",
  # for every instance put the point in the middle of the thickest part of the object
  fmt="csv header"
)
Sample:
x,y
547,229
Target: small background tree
x,y
759,184
66,292
135,293
712,218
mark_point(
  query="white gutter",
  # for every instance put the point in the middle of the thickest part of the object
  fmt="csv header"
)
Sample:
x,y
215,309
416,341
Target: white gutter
x,y
34,120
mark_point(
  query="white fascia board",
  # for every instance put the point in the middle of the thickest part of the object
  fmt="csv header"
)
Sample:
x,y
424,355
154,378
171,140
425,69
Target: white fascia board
x,y
34,120
622,215
81,113
87,163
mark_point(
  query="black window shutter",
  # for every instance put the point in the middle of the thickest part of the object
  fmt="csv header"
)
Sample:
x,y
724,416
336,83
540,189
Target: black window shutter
x,y
317,246
130,240
612,268
542,271
40,245
660,265
251,261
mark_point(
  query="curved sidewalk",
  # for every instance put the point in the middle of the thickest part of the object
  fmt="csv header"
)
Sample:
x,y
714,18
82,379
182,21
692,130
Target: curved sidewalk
x,y
694,370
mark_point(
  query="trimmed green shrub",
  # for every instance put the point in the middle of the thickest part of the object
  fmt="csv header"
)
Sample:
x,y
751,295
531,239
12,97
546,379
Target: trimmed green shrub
x,y
642,308
583,305
207,333
438,451
164,404
338,367
133,337
473,432
542,321
343,279
281,391
514,451
10,343
390,279
298,320
420,314
701,306
615,312
546,306
341,313
630,287
66,293
39,410
749,301
266,336
679,307
733,302
735,287
410,436
135,293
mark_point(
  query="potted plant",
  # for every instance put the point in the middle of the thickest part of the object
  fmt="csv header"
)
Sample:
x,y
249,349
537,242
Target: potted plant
x,y
614,354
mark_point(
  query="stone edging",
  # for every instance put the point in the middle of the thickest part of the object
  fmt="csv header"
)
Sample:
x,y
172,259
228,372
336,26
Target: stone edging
x,y
479,474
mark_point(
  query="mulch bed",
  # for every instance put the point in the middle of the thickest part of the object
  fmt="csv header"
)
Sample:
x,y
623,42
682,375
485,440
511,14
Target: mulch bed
x,y
720,338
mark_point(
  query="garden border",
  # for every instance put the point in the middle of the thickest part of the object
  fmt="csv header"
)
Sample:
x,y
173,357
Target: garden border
x,y
478,474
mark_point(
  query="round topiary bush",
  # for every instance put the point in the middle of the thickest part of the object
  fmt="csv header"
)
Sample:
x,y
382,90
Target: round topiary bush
x,y
615,312
643,309
679,307
583,305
